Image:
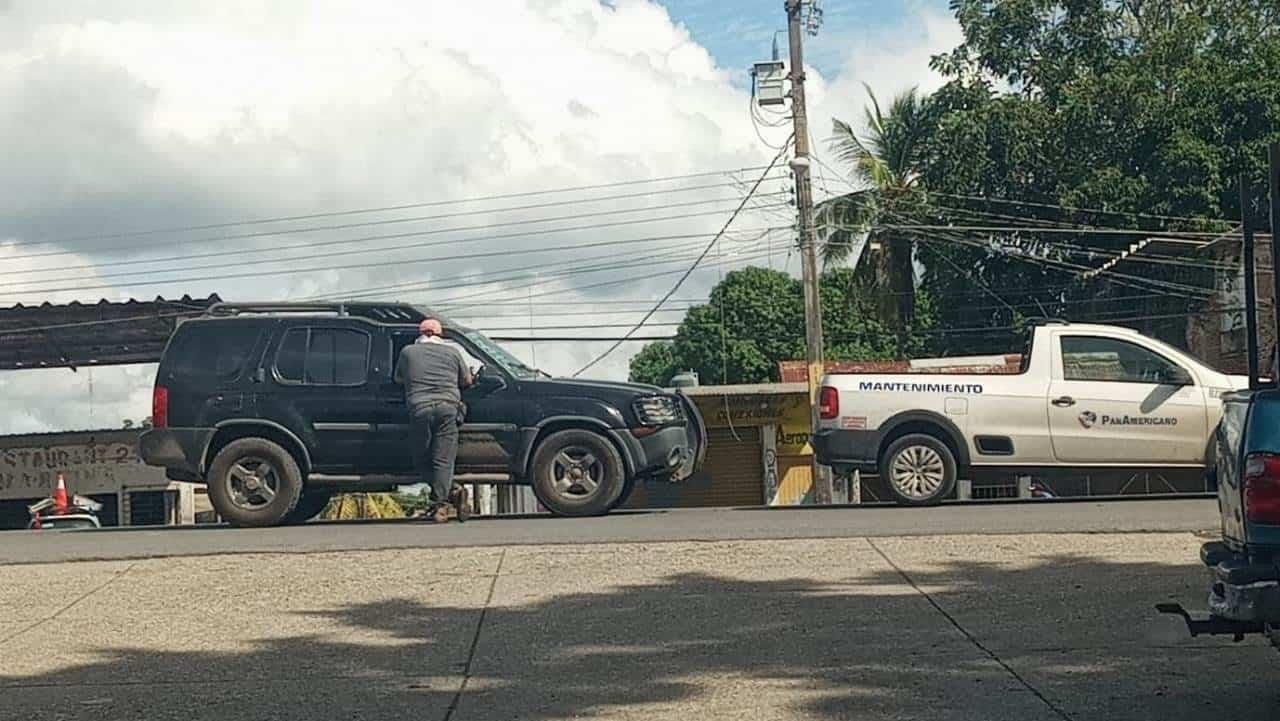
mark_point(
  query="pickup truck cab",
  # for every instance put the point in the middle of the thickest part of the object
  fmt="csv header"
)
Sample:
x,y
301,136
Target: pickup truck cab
x,y
1082,396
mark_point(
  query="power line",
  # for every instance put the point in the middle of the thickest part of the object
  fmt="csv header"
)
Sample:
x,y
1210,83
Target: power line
x,y
385,208
346,226
296,271
1184,235
692,267
615,282
1050,206
610,262
436,231
344,253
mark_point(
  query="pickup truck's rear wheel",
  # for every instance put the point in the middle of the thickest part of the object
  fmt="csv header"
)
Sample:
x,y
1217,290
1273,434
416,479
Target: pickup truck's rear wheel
x,y
919,469
577,473
254,482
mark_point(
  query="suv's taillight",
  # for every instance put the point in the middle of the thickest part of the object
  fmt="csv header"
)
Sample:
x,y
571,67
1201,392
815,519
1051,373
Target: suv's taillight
x,y
1262,488
160,407
828,403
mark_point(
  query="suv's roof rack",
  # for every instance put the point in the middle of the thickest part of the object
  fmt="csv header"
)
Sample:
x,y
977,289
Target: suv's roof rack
x,y
389,313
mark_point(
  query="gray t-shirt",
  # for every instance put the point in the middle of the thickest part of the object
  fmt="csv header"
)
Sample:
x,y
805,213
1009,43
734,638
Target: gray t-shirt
x,y
431,372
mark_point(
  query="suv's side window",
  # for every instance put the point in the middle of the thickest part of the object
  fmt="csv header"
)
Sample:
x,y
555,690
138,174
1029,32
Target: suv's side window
x,y
1091,358
211,352
323,357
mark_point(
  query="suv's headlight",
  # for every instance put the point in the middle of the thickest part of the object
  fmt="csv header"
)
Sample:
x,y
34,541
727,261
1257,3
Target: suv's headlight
x,y
658,411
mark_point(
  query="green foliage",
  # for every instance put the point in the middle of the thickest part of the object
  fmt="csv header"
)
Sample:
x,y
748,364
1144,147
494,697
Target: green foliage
x,y
1134,108
887,160
755,318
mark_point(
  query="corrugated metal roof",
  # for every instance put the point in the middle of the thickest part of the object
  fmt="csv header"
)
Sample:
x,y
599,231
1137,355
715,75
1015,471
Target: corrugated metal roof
x,y
77,334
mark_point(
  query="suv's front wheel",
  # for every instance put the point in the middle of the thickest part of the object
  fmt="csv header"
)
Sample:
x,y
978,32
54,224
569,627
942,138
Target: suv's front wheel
x,y
254,482
577,473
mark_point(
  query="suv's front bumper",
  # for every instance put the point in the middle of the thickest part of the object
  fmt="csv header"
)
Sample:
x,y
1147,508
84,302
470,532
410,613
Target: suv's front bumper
x,y
665,453
180,451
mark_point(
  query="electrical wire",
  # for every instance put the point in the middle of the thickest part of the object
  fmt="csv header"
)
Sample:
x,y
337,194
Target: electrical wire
x,y
1097,211
692,267
315,244
337,254
288,271
437,231
608,262
383,209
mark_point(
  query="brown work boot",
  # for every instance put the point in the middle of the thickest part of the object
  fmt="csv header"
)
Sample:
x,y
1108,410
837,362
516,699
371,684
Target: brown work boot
x,y
440,514
461,500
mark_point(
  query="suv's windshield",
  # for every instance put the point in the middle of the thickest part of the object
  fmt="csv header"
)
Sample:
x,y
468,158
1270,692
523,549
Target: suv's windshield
x,y
509,363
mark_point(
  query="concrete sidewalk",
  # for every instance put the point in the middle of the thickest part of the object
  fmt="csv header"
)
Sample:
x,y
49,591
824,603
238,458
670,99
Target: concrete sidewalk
x,y
956,627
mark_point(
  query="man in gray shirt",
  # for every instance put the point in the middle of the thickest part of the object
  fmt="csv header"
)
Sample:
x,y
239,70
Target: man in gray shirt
x,y
434,374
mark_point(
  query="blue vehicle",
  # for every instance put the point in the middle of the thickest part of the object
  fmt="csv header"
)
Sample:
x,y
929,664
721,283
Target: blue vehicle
x,y
1244,591
1243,462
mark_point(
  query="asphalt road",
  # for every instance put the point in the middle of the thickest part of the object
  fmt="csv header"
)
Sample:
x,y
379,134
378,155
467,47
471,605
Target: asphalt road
x,y
684,525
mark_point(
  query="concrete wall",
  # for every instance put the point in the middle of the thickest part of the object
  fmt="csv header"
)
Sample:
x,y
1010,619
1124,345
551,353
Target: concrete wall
x,y
99,461
92,462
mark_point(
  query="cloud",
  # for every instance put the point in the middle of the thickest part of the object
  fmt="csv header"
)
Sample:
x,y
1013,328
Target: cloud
x,y
890,61
123,115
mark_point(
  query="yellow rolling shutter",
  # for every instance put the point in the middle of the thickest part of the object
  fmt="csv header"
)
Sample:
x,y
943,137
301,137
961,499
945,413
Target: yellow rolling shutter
x,y
732,475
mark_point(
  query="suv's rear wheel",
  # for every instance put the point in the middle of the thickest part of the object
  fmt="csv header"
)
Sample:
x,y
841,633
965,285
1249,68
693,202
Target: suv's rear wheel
x,y
577,473
254,482
920,470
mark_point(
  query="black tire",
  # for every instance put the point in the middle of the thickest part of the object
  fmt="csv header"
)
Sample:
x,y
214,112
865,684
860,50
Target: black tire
x,y
625,496
563,487
310,504
919,470
240,503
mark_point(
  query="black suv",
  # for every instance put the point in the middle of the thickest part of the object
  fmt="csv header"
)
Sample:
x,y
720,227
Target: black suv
x,y
278,406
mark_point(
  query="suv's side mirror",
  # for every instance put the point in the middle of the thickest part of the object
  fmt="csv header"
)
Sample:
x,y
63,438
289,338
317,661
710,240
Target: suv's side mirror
x,y
488,382
1176,376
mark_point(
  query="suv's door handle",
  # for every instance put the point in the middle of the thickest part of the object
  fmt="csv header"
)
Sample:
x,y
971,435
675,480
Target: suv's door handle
x,y
1064,402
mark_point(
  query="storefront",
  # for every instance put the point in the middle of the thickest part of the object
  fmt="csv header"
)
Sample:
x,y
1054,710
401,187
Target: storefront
x,y
758,450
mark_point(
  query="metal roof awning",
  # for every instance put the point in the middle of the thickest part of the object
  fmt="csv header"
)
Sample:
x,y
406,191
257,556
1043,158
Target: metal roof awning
x,y
103,333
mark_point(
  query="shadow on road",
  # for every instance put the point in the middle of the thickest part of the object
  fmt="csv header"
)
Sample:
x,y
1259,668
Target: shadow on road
x,y
1059,637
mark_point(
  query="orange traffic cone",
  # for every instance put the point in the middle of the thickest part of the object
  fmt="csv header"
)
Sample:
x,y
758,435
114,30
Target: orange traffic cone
x,y
61,505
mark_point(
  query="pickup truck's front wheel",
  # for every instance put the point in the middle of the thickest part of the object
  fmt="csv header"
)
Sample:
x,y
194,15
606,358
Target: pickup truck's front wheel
x,y
577,473
920,470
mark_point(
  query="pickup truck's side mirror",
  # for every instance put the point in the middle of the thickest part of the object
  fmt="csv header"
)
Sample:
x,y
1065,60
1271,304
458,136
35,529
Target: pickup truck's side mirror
x,y
1176,376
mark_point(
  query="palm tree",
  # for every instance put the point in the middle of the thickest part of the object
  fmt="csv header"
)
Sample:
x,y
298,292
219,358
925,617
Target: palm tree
x,y
886,161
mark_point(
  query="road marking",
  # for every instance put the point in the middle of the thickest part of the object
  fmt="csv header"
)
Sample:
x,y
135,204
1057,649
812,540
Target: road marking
x,y
69,606
971,638
475,640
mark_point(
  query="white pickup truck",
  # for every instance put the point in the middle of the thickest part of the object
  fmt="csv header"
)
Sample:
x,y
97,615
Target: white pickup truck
x,y
1084,396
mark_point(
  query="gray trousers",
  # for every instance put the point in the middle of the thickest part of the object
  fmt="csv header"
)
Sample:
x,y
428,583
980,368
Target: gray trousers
x,y
433,431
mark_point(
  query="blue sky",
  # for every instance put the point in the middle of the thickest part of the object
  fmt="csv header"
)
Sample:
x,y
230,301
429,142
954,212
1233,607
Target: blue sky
x,y
739,32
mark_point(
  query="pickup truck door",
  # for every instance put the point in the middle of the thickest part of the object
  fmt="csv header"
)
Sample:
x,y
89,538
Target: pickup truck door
x,y
1115,402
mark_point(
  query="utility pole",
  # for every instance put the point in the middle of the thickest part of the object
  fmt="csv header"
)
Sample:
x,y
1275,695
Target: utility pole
x,y
1273,158
822,488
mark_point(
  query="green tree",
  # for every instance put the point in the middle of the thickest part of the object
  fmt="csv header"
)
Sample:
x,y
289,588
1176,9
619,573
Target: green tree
x,y
887,161
654,364
755,318
1131,108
